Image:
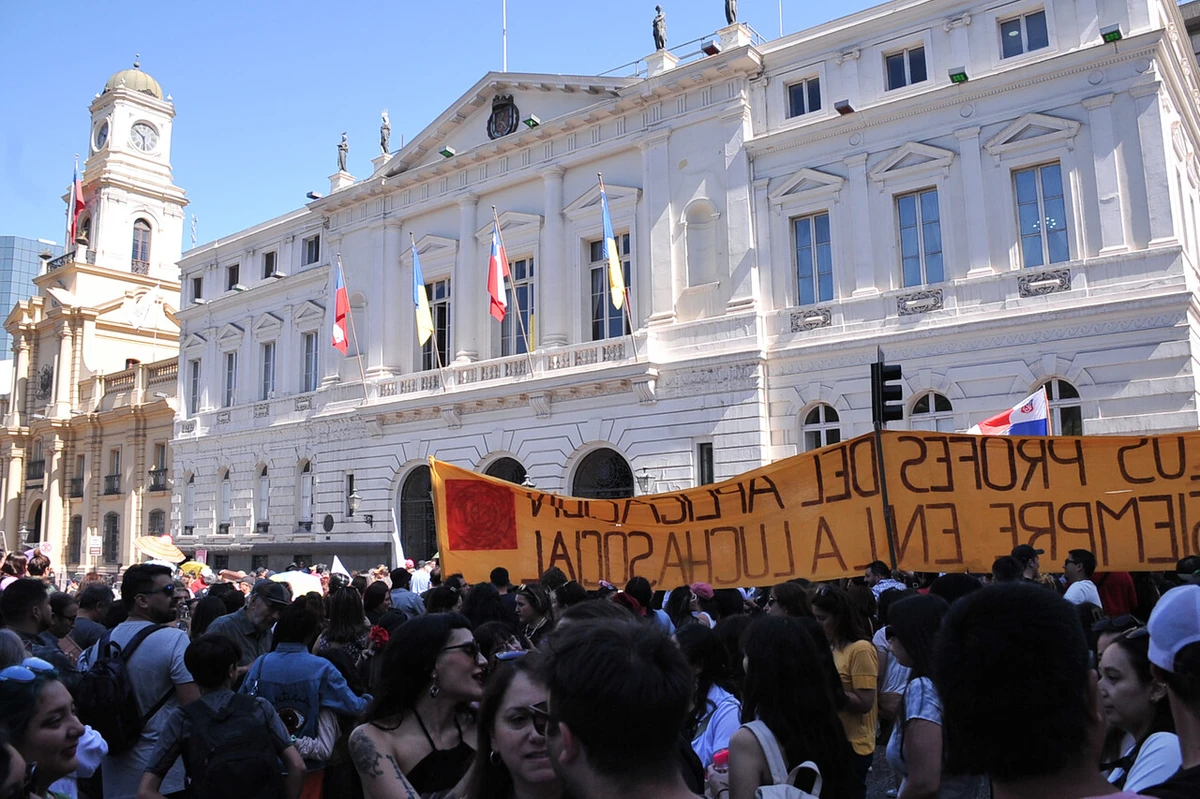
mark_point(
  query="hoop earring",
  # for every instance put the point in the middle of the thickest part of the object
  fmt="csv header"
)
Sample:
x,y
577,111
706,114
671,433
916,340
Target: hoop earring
x,y
494,758
434,690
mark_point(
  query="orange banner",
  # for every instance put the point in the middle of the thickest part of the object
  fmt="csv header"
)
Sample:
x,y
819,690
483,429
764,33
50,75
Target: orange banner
x,y
957,503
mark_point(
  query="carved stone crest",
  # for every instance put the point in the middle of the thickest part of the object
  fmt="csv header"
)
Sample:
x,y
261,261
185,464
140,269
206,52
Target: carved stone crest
x,y
505,117
45,383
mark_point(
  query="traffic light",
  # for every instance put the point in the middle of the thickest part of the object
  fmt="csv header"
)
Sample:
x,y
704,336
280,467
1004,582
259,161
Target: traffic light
x,y
886,393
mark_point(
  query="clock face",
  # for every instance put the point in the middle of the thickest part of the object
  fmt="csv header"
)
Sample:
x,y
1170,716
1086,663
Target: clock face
x,y
143,136
101,137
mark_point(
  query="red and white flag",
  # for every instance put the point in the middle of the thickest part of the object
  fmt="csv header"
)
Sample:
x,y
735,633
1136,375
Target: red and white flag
x,y
341,309
77,206
497,271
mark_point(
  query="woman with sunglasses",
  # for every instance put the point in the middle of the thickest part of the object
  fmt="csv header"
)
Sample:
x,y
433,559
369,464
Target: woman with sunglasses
x,y
916,749
535,614
37,714
789,599
1136,703
419,730
511,761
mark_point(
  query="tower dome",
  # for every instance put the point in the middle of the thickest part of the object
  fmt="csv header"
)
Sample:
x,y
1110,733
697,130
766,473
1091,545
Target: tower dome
x,y
134,80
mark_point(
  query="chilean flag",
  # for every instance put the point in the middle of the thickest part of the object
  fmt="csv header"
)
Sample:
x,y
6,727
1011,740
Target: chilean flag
x,y
497,271
341,308
77,205
1029,417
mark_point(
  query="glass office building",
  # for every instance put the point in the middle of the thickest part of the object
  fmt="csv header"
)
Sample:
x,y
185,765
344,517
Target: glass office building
x,y
19,265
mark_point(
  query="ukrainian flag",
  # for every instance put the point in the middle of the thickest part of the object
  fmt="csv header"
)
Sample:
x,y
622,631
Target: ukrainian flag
x,y
616,275
421,301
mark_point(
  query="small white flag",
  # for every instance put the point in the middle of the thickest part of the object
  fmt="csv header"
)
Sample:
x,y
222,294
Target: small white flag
x,y
142,309
338,567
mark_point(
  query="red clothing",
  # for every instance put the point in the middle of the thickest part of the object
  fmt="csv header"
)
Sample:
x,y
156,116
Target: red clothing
x,y
1116,592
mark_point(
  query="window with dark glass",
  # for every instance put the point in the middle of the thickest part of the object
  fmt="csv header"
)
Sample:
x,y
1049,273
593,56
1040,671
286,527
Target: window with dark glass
x,y
1041,215
1023,34
920,238
905,67
814,259
804,97
607,321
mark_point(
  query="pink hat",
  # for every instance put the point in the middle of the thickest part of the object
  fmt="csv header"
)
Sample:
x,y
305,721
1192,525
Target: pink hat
x,y
702,590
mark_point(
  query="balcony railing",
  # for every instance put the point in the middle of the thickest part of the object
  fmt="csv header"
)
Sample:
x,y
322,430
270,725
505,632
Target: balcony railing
x,y
140,267
35,471
158,480
112,484
76,487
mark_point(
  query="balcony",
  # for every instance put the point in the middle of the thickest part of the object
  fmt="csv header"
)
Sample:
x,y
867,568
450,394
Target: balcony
x,y
35,471
158,480
112,484
76,487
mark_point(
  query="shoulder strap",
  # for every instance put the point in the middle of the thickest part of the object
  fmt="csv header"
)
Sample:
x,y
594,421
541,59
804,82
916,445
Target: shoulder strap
x,y
770,747
818,782
142,634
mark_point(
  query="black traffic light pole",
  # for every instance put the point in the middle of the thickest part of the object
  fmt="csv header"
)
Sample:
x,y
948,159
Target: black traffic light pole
x,y
882,412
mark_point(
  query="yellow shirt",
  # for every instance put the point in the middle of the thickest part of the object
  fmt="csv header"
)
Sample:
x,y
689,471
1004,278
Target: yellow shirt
x,y
858,666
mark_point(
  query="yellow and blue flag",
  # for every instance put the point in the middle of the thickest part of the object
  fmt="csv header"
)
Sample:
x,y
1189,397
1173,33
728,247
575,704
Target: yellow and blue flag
x,y
616,274
421,300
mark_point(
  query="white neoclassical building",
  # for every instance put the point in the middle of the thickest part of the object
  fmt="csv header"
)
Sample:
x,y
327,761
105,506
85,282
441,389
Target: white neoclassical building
x,y
1000,195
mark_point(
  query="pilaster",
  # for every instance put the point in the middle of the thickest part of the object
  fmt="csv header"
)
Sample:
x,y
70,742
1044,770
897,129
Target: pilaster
x,y
554,304
467,288
1108,186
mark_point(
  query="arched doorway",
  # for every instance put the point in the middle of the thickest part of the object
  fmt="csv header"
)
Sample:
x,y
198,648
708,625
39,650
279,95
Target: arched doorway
x,y
603,474
33,528
418,533
509,469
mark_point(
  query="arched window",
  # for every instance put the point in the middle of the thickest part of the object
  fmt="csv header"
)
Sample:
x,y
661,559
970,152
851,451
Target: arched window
x,y
33,529
1066,415
700,221
112,537
189,506
932,411
305,511
509,469
157,523
226,500
821,427
603,474
418,534
141,248
75,540
262,505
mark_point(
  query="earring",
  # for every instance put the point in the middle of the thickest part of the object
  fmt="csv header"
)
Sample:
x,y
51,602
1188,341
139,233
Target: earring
x,y
494,758
434,690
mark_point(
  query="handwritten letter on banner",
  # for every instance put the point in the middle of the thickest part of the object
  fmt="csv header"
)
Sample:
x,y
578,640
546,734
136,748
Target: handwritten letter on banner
x,y
958,503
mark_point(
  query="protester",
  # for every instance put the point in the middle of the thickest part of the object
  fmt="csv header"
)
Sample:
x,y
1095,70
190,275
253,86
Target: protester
x,y
1078,569
511,760
706,611
552,579
25,608
1187,570
1136,704
893,675
250,626
241,721
619,693
1118,595
12,650
639,588
402,598
1109,629
1019,700
485,604
858,666
37,716
915,750
432,669
94,601
377,600
346,627
14,567
501,581
534,613
496,638
1027,556
786,710
156,671
729,632
12,770
207,610
788,599
568,594
878,577
716,711
1007,570
63,612
421,579
592,610
1175,652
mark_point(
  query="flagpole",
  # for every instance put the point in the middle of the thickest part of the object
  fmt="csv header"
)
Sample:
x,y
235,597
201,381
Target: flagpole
x,y
504,33
72,233
353,333
516,300
625,298
437,356
1049,413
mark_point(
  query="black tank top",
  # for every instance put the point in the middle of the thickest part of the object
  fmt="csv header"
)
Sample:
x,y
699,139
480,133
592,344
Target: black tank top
x,y
441,769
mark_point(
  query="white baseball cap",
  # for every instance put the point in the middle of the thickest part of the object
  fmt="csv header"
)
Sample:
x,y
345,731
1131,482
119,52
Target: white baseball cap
x,y
1174,624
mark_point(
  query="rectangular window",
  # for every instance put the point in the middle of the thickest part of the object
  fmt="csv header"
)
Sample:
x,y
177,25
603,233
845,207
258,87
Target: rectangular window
x,y
306,496
80,464
259,562
814,259
230,380
439,305
231,276
1023,34
311,251
269,259
114,461
349,492
704,458
197,288
607,321
219,562
194,386
268,370
264,497
920,238
160,456
1041,215
513,332
905,67
804,97
308,381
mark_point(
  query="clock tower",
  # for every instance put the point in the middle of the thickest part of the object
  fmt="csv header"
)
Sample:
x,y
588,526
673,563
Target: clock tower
x,y
133,219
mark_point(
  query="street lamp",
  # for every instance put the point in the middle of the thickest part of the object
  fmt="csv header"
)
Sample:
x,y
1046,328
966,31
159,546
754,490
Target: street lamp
x,y
355,500
644,478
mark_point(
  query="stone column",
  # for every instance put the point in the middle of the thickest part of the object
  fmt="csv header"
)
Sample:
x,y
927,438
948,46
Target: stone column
x,y
12,496
20,385
1108,187
467,289
62,371
864,272
1151,135
552,326
738,222
979,261
658,261
393,303
52,517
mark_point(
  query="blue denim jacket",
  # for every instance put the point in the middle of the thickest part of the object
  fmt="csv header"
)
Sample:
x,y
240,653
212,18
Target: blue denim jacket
x,y
299,684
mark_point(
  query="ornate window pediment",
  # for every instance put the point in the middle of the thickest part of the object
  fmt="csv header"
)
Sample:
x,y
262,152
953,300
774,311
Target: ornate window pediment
x,y
806,184
910,159
194,341
1032,132
619,198
308,312
230,335
266,327
513,224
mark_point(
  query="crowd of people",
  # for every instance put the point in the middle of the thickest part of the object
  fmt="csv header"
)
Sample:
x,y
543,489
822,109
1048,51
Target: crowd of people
x,y
406,683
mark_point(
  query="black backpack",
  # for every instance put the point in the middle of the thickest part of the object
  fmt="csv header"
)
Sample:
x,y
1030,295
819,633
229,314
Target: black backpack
x,y
105,699
231,747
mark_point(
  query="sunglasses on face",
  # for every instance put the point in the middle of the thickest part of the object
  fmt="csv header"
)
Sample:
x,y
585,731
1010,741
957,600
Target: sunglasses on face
x,y
1116,624
29,670
470,648
166,590
1069,562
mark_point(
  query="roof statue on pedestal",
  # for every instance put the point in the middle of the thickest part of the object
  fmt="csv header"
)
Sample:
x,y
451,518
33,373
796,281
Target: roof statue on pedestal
x,y
659,28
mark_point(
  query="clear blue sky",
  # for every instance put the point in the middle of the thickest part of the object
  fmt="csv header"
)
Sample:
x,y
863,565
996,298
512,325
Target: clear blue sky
x,y
263,90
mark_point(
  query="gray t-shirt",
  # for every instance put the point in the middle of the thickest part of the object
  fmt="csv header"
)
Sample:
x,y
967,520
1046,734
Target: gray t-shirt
x,y
921,701
154,671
